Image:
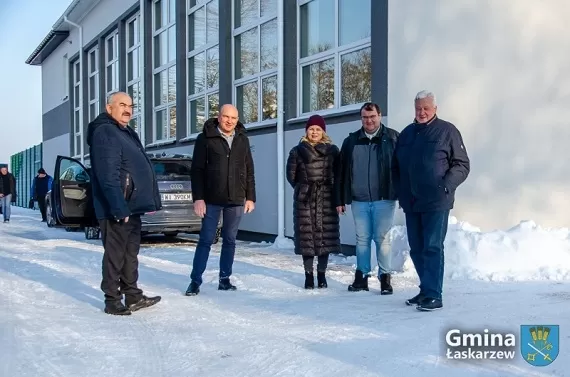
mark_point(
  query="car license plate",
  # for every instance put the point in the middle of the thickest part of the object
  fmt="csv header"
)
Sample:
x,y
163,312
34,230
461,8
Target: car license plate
x,y
176,197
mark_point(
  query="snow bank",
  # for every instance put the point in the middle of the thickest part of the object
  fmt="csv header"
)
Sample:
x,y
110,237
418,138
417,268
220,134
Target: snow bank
x,y
525,252
283,243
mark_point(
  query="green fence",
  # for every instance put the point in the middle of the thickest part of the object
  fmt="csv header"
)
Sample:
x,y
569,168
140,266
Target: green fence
x,y
24,166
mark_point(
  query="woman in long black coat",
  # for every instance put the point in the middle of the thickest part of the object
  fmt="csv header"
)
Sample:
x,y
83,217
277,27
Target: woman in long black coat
x,y
310,171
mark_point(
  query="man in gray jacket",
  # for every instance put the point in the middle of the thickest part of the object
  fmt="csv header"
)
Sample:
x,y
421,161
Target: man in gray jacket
x,y
364,181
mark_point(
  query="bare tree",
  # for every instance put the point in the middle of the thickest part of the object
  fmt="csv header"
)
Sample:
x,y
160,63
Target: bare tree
x,y
246,12
269,98
212,69
319,83
356,77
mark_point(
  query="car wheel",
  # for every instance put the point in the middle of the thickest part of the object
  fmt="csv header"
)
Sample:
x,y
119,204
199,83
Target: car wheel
x,y
218,234
49,216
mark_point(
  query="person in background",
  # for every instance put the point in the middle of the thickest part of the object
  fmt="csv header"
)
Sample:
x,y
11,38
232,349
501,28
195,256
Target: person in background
x,y
124,188
7,192
223,182
40,187
365,182
429,164
311,166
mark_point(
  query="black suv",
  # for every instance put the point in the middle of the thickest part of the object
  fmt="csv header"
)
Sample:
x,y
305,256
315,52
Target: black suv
x,y
69,203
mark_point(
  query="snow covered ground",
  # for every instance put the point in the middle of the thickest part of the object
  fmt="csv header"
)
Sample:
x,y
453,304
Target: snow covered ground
x,y
52,324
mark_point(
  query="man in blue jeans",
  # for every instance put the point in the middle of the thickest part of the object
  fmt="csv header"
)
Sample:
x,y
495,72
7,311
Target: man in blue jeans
x,y
429,164
7,192
223,183
364,180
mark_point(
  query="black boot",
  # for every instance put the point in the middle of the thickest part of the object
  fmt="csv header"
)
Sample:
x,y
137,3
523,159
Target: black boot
x,y
193,289
385,286
225,285
321,280
309,280
415,300
144,302
116,308
360,282
429,304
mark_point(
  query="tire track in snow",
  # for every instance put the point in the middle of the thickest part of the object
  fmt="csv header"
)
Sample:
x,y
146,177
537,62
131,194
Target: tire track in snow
x,y
145,355
146,358
149,358
8,337
25,357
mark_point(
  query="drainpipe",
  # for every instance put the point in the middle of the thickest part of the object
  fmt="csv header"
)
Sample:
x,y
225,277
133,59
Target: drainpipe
x,y
80,29
280,126
142,82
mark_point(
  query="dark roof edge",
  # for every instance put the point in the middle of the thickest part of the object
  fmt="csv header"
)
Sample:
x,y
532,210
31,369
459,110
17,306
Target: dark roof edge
x,y
41,52
38,56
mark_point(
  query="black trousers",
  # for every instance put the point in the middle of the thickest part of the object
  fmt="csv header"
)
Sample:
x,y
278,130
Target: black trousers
x,y
322,263
121,242
42,205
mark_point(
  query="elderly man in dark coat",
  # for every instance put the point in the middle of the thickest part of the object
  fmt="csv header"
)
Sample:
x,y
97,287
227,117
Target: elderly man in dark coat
x,y
124,188
430,163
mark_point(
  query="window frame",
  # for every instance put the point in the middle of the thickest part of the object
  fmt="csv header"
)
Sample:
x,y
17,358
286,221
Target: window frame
x,y
336,53
95,74
77,126
260,75
207,92
138,110
163,68
114,35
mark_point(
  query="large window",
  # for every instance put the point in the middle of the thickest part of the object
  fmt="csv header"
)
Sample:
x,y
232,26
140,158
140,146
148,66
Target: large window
x,y
203,63
76,109
93,82
255,60
111,63
134,88
334,53
164,69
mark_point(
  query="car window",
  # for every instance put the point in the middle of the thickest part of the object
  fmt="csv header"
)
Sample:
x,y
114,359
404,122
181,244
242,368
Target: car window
x,y
172,170
71,171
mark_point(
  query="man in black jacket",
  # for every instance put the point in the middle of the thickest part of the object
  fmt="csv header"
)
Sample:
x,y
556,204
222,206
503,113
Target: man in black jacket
x,y
7,192
430,162
41,185
222,183
124,188
364,181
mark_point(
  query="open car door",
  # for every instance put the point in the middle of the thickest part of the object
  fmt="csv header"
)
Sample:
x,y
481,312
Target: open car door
x,y
72,195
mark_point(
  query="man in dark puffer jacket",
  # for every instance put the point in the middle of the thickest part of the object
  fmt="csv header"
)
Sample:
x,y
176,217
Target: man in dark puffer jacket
x,y
124,188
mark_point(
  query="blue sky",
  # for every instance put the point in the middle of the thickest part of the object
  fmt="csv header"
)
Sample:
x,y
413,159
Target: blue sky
x,y
23,25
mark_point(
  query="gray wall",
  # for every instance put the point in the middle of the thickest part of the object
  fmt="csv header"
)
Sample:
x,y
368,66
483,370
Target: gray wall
x,y
52,148
56,122
501,77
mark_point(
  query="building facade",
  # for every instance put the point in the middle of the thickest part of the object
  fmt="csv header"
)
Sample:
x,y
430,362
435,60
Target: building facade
x,y
181,59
